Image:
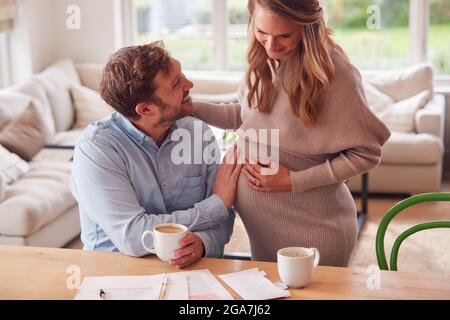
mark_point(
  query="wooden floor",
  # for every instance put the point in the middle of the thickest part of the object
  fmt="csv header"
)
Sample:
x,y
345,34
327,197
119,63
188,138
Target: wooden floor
x,y
425,251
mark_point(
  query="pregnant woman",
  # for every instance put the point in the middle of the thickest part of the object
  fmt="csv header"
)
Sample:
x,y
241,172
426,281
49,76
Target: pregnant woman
x,y
300,82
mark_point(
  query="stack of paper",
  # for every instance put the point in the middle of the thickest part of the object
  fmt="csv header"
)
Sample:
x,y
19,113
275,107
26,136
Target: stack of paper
x,y
176,287
252,284
121,288
193,285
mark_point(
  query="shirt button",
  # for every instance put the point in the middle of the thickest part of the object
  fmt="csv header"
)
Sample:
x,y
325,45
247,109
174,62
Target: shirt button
x,y
165,185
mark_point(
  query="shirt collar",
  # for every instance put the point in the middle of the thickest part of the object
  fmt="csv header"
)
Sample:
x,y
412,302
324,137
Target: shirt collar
x,y
137,134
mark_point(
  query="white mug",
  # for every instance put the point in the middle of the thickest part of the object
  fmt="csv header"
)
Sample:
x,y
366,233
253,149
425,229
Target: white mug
x,y
166,239
296,265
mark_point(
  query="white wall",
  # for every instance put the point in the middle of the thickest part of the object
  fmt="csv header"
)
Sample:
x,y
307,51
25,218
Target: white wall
x,y
95,40
40,35
30,40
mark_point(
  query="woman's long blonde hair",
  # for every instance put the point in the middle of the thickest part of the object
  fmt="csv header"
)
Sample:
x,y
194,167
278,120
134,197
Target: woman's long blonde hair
x,y
313,70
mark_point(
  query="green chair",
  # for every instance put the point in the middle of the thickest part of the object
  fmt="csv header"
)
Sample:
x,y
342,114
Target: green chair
x,y
426,197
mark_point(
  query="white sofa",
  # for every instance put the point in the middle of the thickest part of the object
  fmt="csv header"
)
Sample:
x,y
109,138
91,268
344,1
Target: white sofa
x,y
39,210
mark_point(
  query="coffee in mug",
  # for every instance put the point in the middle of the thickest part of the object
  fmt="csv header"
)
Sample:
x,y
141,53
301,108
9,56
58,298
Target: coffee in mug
x,y
296,265
169,229
166,239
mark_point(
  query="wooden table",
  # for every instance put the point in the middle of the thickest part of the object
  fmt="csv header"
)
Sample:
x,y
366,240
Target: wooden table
x,y
42,273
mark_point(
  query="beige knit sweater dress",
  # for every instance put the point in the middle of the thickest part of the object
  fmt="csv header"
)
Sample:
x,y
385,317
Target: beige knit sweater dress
x,y
320,211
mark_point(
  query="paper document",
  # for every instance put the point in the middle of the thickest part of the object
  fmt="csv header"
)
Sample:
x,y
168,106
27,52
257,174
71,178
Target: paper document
x,y
252,284
121,288
187,285
201,285
176,287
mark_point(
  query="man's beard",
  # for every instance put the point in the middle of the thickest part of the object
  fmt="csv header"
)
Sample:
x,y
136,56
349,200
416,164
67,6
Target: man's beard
x,y
169,113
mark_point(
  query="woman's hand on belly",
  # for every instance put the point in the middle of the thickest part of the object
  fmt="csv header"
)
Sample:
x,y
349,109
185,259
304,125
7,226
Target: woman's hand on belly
x,y
270,177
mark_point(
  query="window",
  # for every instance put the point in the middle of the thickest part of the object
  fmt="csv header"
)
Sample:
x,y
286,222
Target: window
x,y
185,27
237,34
439,36
374,34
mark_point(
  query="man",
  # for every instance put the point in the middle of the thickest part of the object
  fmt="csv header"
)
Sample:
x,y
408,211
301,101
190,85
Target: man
x,y
125,178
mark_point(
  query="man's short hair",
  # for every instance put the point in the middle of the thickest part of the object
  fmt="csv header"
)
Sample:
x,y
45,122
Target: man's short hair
x,y
128,76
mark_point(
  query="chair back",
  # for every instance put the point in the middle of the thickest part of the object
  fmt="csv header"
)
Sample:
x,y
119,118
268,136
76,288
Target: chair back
x,y
402,205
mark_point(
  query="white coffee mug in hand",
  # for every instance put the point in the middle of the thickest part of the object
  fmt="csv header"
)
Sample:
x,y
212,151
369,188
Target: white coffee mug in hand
x,y
296,265
166,239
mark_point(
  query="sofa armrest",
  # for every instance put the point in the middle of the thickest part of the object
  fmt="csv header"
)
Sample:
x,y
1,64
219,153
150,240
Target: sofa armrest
x,y
430,119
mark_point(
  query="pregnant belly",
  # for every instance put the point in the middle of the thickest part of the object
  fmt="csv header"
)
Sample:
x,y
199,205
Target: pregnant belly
x,y
289,208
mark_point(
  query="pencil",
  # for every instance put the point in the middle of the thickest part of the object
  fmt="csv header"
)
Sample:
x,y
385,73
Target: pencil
x,y
163,288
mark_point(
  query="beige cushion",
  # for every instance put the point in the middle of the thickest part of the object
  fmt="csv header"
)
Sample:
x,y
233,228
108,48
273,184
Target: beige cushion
x,y
377,101
412,149
25,135
12,104
402,84
36,92
57,80
37,198
12,166
401,116
89,106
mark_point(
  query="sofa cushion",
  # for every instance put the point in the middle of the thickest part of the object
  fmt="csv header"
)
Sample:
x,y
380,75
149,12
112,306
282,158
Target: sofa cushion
x,y
376,100
401,116
37,198
36,92
402,84
412,149
24,135
57,79
12,167
12,104
89,106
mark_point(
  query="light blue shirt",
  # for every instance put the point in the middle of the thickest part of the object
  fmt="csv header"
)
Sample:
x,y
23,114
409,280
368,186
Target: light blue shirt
x,y
125,184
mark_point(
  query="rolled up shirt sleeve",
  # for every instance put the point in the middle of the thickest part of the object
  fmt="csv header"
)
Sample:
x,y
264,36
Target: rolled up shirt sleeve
x,y
215,239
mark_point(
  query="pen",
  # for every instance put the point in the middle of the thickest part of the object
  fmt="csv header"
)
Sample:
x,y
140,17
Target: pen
x,y
163,288
102,294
